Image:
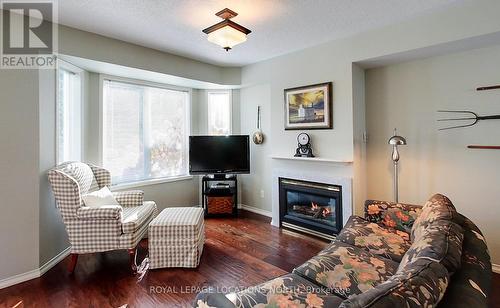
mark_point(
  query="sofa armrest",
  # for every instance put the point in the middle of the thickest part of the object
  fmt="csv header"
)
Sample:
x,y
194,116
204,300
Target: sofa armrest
x,y
391,214
211,298
129,198
106,212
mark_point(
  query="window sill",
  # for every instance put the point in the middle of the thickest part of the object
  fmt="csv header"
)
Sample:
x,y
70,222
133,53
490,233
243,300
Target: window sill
x,y
151,182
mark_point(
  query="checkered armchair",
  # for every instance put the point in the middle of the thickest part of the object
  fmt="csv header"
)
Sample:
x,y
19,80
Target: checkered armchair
x,y
97,229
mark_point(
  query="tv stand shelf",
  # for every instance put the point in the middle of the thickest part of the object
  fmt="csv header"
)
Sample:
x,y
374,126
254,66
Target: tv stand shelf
x,y
219,200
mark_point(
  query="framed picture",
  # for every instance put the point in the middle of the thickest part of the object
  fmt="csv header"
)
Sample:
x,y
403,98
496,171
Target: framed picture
x,y
309,107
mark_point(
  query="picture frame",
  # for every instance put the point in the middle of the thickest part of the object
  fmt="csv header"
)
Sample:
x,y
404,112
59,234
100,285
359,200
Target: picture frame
x,y
309,107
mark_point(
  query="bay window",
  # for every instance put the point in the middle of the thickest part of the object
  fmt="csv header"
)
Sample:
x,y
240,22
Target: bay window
x,y
219,112
68,113
145,131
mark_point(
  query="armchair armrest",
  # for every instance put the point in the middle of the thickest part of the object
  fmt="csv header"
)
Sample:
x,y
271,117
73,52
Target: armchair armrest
x,y
129,198
107,212
391,214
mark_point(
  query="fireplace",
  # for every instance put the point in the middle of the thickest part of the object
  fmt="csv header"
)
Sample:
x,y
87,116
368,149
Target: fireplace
x,y
310,207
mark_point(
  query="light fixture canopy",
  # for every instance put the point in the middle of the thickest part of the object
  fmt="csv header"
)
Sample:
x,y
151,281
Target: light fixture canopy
x,y
227,33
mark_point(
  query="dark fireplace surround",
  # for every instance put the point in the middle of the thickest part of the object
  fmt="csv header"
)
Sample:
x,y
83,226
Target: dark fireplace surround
x,y
310,207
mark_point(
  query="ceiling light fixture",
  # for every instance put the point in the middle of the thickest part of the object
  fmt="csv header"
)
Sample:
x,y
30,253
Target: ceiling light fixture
x,y
226,33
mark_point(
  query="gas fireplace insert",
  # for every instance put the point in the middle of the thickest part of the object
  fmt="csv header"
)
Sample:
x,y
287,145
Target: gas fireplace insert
x,y
310,207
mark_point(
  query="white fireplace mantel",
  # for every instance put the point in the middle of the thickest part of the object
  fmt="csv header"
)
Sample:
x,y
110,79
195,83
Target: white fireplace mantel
x,y
346,184
312,159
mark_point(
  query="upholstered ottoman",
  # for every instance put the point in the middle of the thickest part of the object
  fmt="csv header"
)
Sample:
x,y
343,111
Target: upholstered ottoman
x,y
176,237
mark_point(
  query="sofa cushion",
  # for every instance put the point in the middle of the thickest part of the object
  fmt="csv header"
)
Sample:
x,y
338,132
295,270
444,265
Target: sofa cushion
x,y
289,290
438,207
421,283
377,239
393,215
440,241
346,269
134,217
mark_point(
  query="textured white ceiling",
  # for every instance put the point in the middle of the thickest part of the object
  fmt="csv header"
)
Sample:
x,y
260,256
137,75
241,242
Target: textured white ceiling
x,y
278,26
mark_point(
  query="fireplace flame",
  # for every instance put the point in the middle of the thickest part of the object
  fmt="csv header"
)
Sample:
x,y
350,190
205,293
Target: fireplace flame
x,y
314,206
326,211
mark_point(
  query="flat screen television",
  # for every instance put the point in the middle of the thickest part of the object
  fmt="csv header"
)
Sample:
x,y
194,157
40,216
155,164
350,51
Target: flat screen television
x,y
219,154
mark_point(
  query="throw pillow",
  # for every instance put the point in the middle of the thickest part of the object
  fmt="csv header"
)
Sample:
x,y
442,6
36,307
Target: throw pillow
x,y
100,197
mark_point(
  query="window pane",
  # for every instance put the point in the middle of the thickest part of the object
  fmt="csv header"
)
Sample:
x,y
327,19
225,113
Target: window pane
x,y
168,111
145,132
219,113
68,116
123,150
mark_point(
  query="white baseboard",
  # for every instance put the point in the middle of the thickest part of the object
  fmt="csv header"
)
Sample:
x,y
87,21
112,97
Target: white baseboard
x,y
10,281
52,262
495,268
254,209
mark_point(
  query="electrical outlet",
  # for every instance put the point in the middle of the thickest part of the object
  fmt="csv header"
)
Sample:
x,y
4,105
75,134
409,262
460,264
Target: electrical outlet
x,y
262,193
365,137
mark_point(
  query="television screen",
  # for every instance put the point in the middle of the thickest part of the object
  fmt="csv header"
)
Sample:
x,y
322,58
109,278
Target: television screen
x,y
219,154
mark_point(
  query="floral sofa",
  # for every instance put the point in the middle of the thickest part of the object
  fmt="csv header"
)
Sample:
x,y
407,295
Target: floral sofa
x,y
398,255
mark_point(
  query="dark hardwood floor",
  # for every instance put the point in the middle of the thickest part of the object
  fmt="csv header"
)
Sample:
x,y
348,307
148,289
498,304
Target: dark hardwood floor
x,y
238,253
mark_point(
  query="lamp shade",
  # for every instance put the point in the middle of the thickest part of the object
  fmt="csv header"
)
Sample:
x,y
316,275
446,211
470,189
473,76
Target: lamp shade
x,y
227,33
227,37
397,140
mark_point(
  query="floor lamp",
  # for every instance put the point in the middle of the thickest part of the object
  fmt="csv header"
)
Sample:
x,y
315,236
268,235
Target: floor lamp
x,y
395,141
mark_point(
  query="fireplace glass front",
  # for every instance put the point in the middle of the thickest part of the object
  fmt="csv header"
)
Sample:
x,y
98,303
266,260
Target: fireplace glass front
x,y
310,207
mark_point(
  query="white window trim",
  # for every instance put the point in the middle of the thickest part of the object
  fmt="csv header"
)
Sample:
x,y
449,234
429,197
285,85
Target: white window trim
x,y
151,182
80,72
230,107
102,78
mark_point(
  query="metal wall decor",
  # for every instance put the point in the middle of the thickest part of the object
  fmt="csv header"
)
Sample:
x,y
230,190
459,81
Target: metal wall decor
x,y
467,119
258,136
488,88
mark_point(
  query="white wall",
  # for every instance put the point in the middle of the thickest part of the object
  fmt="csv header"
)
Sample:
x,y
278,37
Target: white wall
x,y
19,171
407,96
359,128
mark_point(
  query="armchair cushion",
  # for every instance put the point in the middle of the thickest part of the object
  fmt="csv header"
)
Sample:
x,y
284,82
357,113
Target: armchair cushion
x,y
134,217
105,212
129,198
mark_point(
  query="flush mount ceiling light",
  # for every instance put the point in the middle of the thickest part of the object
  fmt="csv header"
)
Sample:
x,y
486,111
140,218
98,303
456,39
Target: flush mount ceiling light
x,y
226,33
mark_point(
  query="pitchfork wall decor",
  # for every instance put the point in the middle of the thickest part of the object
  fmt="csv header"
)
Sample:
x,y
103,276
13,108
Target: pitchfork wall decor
x,y
467,119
